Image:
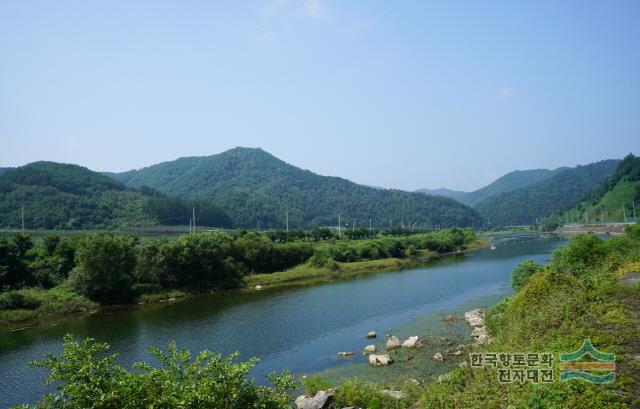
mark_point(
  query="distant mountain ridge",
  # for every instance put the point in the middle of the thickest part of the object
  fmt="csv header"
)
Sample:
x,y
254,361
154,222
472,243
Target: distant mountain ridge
x,y
563,189
64,196
256,188
506,183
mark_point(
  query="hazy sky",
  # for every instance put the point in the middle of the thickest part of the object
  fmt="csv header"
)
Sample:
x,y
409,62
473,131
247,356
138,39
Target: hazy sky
x,y
405,94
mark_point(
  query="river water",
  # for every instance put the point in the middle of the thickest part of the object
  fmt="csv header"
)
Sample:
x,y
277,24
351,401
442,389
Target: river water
x,y
300,329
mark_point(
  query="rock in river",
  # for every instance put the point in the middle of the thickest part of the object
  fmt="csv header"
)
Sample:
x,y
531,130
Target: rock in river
x,y
370,349
371,334
411,342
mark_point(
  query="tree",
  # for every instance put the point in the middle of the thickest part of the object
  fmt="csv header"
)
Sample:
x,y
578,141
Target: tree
x,y
105,267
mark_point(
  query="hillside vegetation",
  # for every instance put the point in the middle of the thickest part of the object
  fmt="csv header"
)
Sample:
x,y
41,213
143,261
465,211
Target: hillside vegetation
x,y
256,188
606,203
62,196
507,183
524,206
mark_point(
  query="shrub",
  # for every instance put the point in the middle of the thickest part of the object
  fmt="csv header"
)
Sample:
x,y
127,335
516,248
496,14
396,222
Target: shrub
x,y
315,383
14,300
523,271
86,378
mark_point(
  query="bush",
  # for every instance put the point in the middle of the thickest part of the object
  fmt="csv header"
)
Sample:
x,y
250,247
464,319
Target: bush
x,y
86,378
523,271
315,383
14,300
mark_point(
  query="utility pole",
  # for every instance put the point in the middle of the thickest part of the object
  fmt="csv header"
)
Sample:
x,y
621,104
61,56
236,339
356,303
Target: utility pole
x,y
339,226
624,214
23,218
194,219
370,224
286,215
353,228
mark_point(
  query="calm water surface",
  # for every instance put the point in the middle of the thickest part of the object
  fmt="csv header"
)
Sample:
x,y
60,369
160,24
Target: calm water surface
x,y
299,329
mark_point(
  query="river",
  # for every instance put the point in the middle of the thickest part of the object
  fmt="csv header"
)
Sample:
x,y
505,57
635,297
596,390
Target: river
x,y
300,329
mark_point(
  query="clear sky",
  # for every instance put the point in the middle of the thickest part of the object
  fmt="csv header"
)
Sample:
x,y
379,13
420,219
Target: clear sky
x,y
405,94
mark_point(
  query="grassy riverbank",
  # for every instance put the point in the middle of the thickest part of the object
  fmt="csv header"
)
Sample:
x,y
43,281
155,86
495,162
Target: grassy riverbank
x,y
307,274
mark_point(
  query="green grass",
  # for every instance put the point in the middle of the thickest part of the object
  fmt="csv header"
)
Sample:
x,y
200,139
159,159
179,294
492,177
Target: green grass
x,y
56,301
307,274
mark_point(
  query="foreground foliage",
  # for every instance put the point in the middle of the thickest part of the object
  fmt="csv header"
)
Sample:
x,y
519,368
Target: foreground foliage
x,y
86,378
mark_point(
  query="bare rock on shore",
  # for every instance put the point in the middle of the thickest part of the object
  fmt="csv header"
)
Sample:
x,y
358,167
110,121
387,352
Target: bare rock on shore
x,y
393,342
411,342
475,318
321,400
380,360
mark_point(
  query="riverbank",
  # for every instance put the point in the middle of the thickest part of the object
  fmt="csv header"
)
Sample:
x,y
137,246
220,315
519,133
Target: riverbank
x,y
581,294
307,274
27,306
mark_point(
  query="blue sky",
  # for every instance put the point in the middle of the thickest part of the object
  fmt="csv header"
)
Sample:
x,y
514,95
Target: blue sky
x,y
396,94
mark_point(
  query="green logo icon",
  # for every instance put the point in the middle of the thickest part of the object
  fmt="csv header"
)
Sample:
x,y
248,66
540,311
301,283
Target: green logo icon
x,y
600,368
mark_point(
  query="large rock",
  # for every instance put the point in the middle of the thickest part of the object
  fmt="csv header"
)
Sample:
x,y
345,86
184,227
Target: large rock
x,y
380,360
475,318
393,342
321,400
411,342
370,349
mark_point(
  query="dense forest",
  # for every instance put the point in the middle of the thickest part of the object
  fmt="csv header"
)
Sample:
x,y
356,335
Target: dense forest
x,y
61,196
256,188
613,201
524,205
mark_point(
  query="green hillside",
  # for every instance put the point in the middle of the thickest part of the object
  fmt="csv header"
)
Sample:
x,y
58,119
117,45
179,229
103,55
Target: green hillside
x,y
255,187
62,196
564,189
606,203
507,183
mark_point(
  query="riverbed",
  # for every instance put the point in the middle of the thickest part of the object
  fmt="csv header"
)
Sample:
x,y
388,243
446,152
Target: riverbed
x,y
300,329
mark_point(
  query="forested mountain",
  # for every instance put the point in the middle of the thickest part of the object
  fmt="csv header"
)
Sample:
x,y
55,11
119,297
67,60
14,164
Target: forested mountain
x,y
255,187
511,181
443,191
65,196
606,203
3,170
560,191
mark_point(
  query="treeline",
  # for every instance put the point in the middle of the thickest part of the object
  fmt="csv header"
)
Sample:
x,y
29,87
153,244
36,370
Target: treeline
x,y
110,268
60,196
